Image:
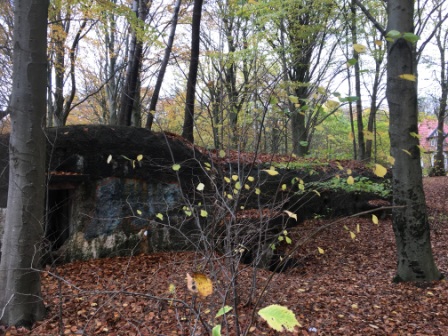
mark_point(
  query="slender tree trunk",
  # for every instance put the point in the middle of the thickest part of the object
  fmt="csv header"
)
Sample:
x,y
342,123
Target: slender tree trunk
x,y
20,296
166,58
133,71
410,222
359,121
373,109
188,127
439,162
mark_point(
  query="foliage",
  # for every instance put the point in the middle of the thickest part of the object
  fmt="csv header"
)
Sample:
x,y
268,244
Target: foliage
x,y
359,184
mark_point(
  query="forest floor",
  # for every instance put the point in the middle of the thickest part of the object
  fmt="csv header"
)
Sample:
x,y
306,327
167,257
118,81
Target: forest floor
x,y
347,290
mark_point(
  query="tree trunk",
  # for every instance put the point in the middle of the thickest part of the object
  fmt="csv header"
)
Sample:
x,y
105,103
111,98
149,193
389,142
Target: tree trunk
x,y
20,295
188,127
372,115
410,221
166,58
133,71
439,162
359,122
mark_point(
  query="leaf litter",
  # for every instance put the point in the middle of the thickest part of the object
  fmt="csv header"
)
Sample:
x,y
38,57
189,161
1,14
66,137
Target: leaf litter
x,y
345,291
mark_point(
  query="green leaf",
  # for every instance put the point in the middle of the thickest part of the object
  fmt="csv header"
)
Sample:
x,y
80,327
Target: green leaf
x,y
159,216
351,61
222,153
223,310
204,213
279,318
288,240
350,180
216,331
393,34
410,37
349,99
175,167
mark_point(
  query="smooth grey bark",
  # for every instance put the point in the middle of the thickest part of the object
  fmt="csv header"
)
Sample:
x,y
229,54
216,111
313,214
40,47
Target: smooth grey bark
x,y
439,162
20,297
166,58
188,126
415,260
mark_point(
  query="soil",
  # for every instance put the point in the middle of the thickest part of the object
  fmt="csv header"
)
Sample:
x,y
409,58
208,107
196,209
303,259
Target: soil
x,y
340,284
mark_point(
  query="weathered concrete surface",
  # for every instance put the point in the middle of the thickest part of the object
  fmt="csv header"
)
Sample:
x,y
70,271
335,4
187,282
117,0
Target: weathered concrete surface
x,y
113,191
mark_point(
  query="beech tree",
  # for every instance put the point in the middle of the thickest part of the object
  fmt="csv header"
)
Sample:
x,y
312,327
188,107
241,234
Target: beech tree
x,y
187,130
415,260
20,295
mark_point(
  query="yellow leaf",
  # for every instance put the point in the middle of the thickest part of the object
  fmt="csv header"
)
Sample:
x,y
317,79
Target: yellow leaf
x,y
391,160
352,235
251,179
293,99
139,212
408,77
200,283
109,158
317,193
358,229
159,216
172,288
204,213
271,171
379,170
283,187
291,214
222,153
321,250
375,219
139,157
238,186
407,152
257,191
200,186
379,43
175,167
349,171
235,177
226,179
346,228
350,180
359,48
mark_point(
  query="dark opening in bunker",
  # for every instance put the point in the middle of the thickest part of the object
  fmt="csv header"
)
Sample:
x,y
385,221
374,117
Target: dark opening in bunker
x,y
58,217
